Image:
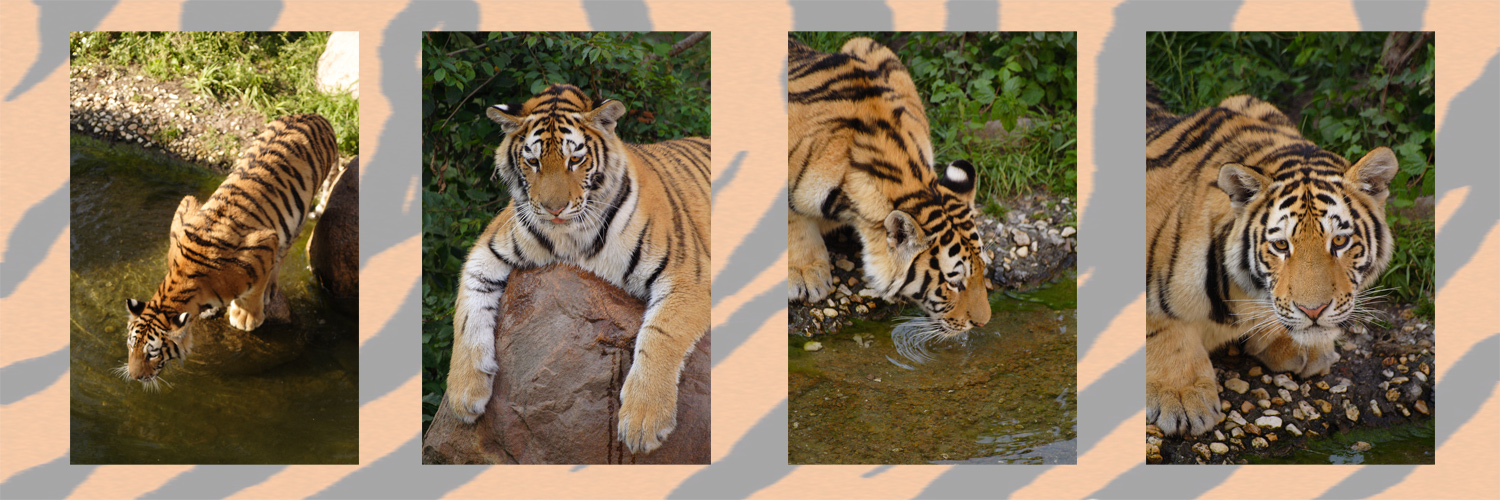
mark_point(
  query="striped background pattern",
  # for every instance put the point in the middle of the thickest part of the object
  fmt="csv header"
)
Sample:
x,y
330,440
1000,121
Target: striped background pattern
x,y
749,197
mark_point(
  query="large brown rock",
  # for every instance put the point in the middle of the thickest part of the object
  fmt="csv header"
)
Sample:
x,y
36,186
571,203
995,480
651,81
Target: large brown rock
x,y
333,249
565,345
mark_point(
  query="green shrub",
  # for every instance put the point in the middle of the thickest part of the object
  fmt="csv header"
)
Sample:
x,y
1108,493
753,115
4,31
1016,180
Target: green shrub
x,y
1348,92
666,93
273,72
1024,81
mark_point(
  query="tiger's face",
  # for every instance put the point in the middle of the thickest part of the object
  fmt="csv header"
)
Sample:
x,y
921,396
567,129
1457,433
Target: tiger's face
x,y
152,341
557,153
933,256
1314,236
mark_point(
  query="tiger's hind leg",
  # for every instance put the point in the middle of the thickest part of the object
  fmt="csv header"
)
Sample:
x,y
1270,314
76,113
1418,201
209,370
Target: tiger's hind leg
x,y
258,251
809,273
1182,396
670,332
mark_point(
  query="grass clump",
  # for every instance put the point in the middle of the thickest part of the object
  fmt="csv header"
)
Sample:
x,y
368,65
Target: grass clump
x,y
275,73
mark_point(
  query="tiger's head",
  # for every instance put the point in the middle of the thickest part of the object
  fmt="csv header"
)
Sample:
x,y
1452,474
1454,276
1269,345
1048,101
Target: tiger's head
x,y
153,340
559,155
1309,235
931,255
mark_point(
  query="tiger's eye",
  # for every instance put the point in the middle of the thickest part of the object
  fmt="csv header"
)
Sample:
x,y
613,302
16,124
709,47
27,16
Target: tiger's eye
x,y
1279,245
1340,240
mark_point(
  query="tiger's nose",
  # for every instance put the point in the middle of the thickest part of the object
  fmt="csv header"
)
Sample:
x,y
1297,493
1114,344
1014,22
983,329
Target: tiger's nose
x,y
554,211
977,324
1314,312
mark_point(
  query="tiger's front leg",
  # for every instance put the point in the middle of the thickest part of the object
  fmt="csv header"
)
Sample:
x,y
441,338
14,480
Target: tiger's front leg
x,y
1281,353
1182,396
471,371
247,311
670,332
809,273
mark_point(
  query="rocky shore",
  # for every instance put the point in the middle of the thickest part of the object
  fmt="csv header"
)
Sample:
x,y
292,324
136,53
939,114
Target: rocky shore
x,y
1385,377
1031,244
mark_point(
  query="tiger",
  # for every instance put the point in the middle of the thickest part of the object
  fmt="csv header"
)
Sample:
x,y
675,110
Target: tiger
x,y
636,215
1252,232
860,155
230,248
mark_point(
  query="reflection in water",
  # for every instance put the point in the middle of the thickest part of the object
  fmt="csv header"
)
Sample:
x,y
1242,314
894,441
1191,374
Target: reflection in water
x,y
1005,393
303,411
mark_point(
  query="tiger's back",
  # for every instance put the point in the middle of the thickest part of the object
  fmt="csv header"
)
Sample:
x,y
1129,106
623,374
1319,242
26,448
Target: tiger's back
x,y
1251,229
228,249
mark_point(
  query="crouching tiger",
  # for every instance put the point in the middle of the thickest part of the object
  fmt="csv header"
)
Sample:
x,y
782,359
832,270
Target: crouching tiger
x,y
230,248
635,215
860,155
1252,232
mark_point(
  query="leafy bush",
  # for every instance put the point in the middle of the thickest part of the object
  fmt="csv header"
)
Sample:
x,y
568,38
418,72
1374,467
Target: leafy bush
x,y
1026,82
273,72
662,78
1348,92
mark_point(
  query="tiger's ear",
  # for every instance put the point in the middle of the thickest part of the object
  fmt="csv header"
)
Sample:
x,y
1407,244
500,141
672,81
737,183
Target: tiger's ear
x,y
1373,173
606,115
903,235
135,307
1241,183
502,114
960,178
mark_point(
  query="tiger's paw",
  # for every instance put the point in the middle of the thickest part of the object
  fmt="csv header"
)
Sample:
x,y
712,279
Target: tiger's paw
x,y
469,393
1186,402
243,319
1280,353
811,282
648,412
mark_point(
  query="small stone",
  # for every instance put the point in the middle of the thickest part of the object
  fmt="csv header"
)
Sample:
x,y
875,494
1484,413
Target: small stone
x,y
1393,394
1420,376
1236,433
1375,408
830,312
1270,422
1260,394
1292,428
861,309
1068,231
1426,370
1404,411
1307,410
1218,435
844,290
1259,442
1022,252
1322,385
1235,417
812,346
1285,382
1388,361
844,264
1247,407
1219,448
1285,394
1224,405
1153,453
1237,385
1020,238
1360,446
1403,369
1271,436
1277,401
1388,373
1203,450
1266,379
1326,406
1271,413
1400,379
1252,429
1153,430
1422,407
1352,413
1264,403
1343,386
1255,371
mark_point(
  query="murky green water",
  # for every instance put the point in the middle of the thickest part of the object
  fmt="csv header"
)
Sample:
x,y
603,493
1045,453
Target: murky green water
x,y
1007,394
1403,444
302,411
